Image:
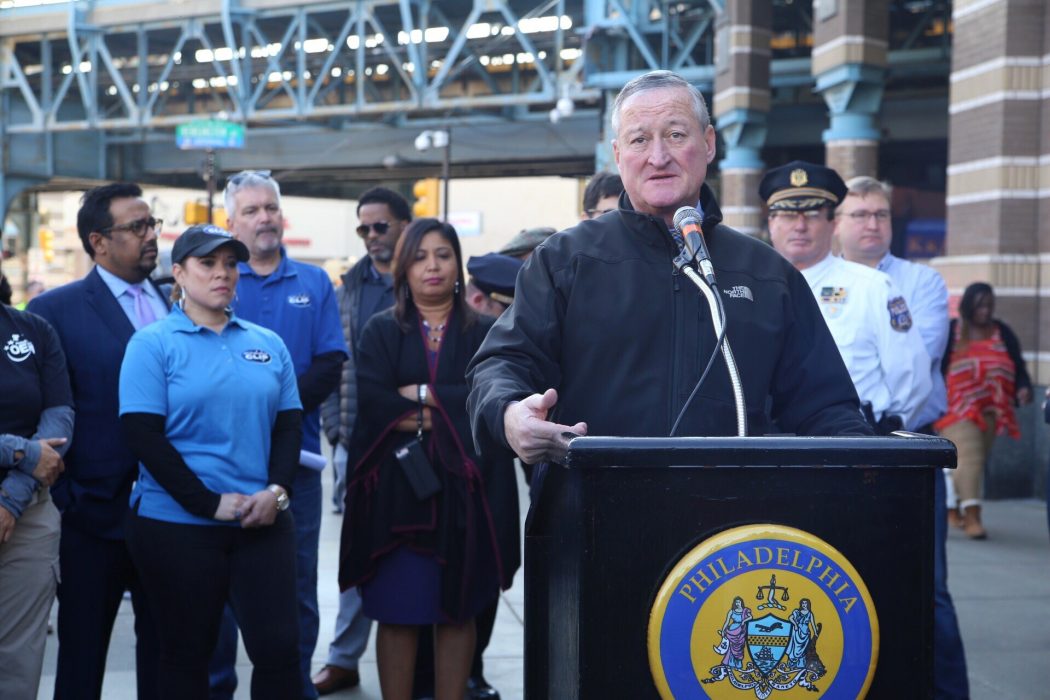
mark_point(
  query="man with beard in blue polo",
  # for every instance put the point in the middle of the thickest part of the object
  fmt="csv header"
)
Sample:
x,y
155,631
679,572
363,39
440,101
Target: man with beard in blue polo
x,y
297,301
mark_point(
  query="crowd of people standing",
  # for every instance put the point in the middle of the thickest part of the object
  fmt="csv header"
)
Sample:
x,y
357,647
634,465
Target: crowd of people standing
x,y
177,428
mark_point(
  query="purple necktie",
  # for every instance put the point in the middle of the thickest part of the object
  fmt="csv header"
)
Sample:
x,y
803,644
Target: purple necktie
x,y
143,310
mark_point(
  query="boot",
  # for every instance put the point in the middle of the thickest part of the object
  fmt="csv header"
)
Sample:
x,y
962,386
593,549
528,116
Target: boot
x,y
972,523
955,518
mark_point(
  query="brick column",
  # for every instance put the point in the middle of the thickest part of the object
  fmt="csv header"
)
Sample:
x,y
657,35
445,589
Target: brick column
x,y
849,62
741,103
999,164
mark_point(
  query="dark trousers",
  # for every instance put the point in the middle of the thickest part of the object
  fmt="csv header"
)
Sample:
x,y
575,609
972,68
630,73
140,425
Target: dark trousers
x,y
949,659
306,510
483,625
190,572
95,572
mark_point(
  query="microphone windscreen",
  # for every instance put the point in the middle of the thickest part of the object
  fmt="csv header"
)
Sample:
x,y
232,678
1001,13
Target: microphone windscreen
x,y
686,213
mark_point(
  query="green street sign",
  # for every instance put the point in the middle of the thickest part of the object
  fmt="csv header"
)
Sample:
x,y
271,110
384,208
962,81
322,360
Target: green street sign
x,y
203,134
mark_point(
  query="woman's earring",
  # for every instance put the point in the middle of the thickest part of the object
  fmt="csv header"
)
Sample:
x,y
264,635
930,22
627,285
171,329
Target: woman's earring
x,y
455,288
182,298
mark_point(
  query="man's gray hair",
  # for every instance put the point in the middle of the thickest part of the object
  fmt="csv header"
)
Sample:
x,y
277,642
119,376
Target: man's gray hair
x,y
862,186
247,179
658,80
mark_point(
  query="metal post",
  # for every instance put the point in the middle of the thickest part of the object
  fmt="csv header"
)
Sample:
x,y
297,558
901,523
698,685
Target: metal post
x,y
446,164
209,180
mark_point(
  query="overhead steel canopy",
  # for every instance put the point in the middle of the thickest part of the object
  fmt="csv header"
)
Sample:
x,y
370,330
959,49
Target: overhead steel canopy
x,y
95,88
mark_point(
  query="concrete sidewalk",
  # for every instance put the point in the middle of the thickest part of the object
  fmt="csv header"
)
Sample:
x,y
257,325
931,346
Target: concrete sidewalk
x,y
1001,588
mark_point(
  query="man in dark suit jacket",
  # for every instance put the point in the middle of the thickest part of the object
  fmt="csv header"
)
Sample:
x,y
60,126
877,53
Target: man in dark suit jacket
x,y
94,318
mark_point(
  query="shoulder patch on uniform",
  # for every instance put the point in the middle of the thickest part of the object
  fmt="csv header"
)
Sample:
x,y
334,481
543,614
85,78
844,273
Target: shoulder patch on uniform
x,y
900,316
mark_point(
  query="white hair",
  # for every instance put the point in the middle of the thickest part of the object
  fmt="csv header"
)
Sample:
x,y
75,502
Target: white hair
x,y
658,80
247,179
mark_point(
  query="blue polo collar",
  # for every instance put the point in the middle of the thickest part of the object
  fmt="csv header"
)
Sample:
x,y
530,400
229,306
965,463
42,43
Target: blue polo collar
x,y
183,324
284,268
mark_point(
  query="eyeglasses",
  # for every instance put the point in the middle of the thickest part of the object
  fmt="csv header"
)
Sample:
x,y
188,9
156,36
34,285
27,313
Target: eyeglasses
x,y
792,217
245,174
591,213
380,227
862,216
138,227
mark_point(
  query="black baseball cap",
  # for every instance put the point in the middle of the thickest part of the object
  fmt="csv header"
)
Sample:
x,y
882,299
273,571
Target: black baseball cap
x,y
203,239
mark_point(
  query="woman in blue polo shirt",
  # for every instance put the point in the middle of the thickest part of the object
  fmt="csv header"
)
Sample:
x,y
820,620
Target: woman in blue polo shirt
x,y
209,405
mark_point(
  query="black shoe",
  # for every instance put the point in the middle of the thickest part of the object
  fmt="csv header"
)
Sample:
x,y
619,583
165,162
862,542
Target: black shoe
x,y
479,689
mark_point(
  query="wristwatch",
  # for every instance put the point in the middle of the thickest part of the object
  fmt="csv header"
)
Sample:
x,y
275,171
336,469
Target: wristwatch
x,y
282,496
421,394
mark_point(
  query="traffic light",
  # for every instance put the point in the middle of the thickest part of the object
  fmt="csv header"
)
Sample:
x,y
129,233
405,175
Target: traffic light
x,y
194,213
426,192
47,244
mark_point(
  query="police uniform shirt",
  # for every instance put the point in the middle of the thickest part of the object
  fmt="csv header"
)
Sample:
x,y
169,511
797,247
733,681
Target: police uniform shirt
x,y
927,296
874,332
296,301
220,394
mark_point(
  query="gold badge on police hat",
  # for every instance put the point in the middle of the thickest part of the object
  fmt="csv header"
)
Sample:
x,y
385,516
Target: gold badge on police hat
x,y
799,178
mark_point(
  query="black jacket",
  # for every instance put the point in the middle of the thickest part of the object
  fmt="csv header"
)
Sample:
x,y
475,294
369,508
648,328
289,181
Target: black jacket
x,y
472,525
600,316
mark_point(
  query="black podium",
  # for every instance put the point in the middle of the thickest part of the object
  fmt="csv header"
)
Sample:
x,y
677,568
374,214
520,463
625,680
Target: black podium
x,y
610,525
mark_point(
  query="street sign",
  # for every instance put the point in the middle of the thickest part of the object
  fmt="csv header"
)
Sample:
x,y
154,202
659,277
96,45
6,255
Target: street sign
x,y
209,133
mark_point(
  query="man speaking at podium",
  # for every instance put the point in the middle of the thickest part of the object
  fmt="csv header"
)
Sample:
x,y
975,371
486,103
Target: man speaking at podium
x,y
607,337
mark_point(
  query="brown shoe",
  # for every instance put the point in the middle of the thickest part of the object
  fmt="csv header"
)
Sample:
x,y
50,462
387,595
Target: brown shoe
x,y
955,518
332,678
972,526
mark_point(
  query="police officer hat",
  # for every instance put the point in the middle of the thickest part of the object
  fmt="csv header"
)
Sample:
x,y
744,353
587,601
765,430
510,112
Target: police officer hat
x,y
495,275
801,186
198,241
526,241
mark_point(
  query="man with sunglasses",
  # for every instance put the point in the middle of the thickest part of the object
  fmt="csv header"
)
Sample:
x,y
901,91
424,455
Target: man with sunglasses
x,y
94,318
296,301
366,290
867,315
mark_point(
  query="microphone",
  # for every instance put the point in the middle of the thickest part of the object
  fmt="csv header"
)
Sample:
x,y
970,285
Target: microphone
x,y
688,221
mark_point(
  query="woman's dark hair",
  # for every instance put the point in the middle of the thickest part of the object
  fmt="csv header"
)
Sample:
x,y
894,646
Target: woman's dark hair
x,y
973,294
405,256
94,209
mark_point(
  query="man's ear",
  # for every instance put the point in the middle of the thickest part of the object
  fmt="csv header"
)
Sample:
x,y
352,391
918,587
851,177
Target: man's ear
x,y
99,243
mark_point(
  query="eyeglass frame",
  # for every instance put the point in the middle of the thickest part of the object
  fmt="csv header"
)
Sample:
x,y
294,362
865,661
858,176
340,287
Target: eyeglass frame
x,y
861,216
793,215
363,229
148,223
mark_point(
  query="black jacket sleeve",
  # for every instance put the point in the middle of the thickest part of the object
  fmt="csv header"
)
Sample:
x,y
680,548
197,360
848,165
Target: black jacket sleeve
x,y
1013,347
946,359
320,379
145,436
286,437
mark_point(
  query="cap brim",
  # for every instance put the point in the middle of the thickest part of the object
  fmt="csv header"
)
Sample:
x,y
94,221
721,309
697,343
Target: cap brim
x,y
207,248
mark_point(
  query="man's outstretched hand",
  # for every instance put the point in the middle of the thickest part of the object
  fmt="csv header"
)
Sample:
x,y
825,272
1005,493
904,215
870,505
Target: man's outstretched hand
x,y
532,437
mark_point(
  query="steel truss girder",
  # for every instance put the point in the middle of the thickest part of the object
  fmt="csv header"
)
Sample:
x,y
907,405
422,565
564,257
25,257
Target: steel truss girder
x,y
633,36
121,78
